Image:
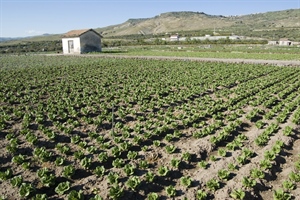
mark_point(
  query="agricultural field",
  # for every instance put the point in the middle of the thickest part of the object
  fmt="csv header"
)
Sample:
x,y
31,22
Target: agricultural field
x,y
234,51
76,127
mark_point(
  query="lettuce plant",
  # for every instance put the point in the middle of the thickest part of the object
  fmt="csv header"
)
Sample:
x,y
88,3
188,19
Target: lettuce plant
x,y
152,196
68,171
116,192
186,181
132,155
102,157
171,191
26,189
203,164
213,184
118,162
170,149
238,194
257,173
248,182
129,169
59,161
113,177
163,170
288,185
133,182
99,171
201,195
150,176
223,174
76,195
6,174
86,162
62,187
16,181
175,163
279,194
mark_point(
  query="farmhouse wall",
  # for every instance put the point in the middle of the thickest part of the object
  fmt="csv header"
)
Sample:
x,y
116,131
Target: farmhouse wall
x,y
90,42
76,45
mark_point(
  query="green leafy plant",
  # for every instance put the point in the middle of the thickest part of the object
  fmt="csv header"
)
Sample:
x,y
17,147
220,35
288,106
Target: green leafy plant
x,y
78,155
96,197
16,181
40,197
257,173
116,192
248,182
170,149
175,163
201,195
238,194
6,174
113,177
129,169
265,164
294,176
213,184
171,191
150,176
68,171
186,156
186,181
133,182
76,195
152,196
287,131
156,143
132,155
203,164
163,170
48,180
86,162
26,189
222,152
223,174
279,194
212,158
288,185
143,164
99,171
232,167
59,161
118,162
62,187
18,159
102,157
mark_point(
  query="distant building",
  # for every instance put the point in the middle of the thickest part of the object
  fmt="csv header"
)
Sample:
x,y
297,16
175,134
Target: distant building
x,y
285,42
174,37
81,41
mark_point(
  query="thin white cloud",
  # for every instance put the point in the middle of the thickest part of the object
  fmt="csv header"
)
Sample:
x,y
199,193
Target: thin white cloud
x,y
33,32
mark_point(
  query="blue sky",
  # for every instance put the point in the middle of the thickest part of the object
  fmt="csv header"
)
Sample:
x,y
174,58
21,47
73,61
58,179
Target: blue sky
x,y
19,18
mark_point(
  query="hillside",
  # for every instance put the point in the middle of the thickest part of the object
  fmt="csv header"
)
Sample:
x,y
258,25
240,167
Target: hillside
x,y
171,22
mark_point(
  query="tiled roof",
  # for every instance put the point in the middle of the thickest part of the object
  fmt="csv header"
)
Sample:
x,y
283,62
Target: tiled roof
x,y
77,33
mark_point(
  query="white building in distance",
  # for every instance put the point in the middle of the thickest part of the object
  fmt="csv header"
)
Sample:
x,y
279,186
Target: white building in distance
x,y
81,41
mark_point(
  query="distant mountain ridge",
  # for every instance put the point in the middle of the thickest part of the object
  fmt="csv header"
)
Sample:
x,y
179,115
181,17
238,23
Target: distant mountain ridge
x,y
189,21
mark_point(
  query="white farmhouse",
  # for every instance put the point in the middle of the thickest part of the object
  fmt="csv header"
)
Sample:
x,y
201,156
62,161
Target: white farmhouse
x,y
81,41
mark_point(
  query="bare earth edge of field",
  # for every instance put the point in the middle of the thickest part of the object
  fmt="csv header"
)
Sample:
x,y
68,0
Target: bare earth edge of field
x,y
228,60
